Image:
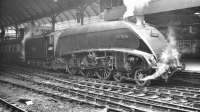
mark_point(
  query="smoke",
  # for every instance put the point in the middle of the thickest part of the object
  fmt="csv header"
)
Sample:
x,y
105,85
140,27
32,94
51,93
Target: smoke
x,y
135,7
171,52
169,57
31,28
56,38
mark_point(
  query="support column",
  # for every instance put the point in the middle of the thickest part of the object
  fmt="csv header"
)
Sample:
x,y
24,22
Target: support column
x,y
16,31
81,9
21,33
53,22
80,15
2,33
32,27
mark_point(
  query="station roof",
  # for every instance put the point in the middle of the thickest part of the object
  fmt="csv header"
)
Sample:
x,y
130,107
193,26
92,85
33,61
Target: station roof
x,y
15,12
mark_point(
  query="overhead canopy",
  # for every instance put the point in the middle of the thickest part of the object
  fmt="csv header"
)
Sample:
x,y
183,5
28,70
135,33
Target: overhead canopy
x,y
14,12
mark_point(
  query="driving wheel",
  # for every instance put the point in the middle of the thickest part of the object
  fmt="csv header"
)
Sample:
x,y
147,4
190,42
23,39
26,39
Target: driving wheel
x,y
104,74
89,73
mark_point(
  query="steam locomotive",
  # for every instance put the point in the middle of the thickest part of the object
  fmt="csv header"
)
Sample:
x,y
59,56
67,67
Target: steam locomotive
x,y
117,49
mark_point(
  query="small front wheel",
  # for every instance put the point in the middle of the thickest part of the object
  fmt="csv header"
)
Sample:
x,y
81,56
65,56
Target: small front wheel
x,y
104,74
71,70
117,76
139,74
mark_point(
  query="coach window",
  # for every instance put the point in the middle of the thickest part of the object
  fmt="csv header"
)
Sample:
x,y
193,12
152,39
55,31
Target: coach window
x,y
15,48
2,48
7,48
51,39
11,48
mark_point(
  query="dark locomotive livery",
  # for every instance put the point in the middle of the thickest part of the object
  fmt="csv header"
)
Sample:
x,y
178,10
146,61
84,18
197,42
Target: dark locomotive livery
x,y
118,50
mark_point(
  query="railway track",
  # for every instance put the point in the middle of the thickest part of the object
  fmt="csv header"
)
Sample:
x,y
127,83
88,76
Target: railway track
x,y
48,92
66,94
6,106
121,96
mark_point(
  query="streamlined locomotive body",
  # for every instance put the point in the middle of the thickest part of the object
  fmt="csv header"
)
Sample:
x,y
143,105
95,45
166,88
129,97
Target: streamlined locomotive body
x,y
112,49
117,49
105,50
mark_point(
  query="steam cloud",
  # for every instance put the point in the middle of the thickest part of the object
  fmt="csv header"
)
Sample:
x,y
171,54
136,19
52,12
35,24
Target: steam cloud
x,y
170,56
135,7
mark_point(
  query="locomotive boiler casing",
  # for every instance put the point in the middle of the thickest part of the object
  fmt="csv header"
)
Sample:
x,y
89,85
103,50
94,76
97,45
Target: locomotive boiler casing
x,y
111,36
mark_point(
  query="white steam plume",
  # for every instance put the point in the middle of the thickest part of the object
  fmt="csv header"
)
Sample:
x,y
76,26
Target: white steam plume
x,y
169,57
28,34
171,53
135,7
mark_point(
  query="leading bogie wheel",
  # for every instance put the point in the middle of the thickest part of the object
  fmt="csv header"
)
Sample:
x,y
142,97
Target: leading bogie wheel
x,y
117,76
72,70
139,74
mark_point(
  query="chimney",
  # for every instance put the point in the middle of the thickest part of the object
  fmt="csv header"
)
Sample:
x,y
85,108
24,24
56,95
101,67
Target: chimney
x,y
137,8
139,15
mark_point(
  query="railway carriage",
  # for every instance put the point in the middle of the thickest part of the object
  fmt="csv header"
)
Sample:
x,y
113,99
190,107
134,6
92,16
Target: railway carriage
x,y
10,51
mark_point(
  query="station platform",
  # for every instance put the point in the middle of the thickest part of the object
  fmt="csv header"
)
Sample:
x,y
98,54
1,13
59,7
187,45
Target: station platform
x,y
190,76
192,65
